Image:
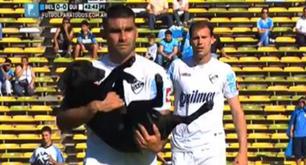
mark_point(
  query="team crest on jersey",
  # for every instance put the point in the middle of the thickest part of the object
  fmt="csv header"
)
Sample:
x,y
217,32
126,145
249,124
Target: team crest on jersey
x,y
137,86
213,78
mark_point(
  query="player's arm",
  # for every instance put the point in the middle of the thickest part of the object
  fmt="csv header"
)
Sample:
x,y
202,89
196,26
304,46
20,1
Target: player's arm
x,y
68,119
240,126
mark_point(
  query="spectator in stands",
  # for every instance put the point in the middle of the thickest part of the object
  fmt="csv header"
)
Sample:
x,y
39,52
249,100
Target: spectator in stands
x,y
264,26
180,8
218,45
86,41
62,38
301,29
152,49
168,50
47,153
297,126
6,76
24,79
158,9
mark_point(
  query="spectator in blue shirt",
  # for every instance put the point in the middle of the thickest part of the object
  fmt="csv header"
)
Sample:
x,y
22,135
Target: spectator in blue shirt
x,y
297,127
264,26
168,50
86,41
6,77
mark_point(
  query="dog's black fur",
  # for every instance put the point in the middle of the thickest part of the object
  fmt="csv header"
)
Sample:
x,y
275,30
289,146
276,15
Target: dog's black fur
x,y
81,84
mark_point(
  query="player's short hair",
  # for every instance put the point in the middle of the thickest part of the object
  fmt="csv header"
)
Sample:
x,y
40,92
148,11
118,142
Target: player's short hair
x,y
168,32
85,22
118,11
265,8
151,36
46,129
201,24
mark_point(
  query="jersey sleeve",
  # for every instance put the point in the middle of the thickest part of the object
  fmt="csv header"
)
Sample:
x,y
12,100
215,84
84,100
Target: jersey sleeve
x,y
230,85
32,159
59,156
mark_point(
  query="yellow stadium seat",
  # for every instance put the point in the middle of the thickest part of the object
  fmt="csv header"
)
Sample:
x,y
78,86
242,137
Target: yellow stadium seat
x,y
245,39
40,108
29,145
285,39
279,136
221,30
290,59
231,136
6,10
281,19
269,59
220,20
272,69
79,137
4,109
10,155
257,127
258,136
19,108
297,88
259,98
277,9
7,146
277,117
38,60
295,9
81,146
60,70
267,49
10,39
277,88
251,69
25,127
13,50
241,29
34,50
22,118
27,136
44,118
9,30
230,49
294,69
261,145
240,19
217,10
27,20
12,163
8,137
80,155
275,108
254,9
248,59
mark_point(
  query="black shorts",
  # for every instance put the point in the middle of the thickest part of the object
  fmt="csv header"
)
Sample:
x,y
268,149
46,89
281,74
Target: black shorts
x,y
299,147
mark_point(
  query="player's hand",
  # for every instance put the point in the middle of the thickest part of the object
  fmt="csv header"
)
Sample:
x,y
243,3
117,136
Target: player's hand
x,y
51,160
241,159
147,141
111,102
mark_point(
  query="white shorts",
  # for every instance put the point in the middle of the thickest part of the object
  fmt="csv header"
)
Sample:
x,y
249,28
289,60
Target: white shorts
x,y
211,154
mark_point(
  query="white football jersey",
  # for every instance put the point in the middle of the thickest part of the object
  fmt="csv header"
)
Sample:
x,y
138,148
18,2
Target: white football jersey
x,y
98,152
41,155
193,86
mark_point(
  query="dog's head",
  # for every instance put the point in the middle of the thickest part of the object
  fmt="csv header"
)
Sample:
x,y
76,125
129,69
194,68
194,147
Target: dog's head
x,y
79,77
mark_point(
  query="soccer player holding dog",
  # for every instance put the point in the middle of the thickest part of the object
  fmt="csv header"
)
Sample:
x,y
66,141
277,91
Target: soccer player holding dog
x,y
196,80
120,32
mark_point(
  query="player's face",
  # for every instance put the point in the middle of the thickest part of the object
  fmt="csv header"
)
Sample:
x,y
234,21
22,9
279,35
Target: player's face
x,y
168,37
201,42
264,14
46,137
121,34
85,28
24,61
302,103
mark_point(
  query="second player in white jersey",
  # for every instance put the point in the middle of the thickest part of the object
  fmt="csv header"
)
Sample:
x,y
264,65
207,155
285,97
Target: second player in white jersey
x,y
197,80
195,85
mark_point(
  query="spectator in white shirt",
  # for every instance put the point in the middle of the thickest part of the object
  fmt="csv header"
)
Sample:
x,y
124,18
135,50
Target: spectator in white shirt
x,y
180,8
301,29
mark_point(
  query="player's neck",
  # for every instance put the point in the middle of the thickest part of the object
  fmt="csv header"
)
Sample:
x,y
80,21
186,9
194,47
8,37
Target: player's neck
x,y
120,59
202,59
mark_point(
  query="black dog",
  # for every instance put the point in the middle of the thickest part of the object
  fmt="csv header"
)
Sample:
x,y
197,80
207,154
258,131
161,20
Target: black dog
x,y
81,84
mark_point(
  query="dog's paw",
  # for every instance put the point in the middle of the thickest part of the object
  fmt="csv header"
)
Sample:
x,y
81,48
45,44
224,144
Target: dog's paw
x,y
209,105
